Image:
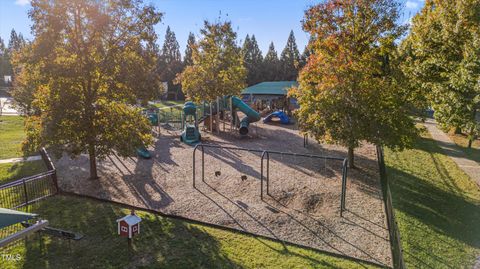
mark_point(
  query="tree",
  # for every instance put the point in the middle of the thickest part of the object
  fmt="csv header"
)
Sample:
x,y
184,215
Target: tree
x,y
86,60
290,59
351,89
3,60
16,41
306,53
170,61
271,64
187,60
442,55
217,68
252,60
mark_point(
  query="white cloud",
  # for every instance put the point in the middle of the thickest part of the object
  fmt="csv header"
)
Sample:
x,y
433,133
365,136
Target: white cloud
x,y
411,5
22,2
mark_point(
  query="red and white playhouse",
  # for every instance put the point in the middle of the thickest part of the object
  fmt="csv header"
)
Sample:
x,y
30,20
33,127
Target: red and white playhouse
x,y
129,225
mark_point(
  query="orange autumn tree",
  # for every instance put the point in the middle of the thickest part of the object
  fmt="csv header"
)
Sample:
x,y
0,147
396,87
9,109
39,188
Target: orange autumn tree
x,y
350,90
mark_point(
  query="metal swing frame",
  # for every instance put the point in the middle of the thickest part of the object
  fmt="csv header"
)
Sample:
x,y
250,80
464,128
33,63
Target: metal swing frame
x,y
265,166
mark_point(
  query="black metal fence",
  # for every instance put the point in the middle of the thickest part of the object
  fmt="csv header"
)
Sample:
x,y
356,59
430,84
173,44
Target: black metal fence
x,y
265,167
394,233
30,189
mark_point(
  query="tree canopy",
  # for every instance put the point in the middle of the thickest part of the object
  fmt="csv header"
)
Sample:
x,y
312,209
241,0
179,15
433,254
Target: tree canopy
x,y
87,64
271,64
188,60
290,60
442,57
351,89
252,60
217,68
170,61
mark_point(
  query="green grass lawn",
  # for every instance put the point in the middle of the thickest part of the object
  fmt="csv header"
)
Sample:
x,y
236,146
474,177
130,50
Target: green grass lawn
x,y
163,243
11,136
12,171
461,140
163,104
437,207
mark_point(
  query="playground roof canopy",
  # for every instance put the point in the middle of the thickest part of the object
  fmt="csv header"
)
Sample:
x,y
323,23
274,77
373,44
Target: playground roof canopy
x,y
270,88
9,217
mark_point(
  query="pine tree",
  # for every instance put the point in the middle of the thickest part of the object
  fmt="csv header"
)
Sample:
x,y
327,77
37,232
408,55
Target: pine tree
x,y
188,50
170,62
306,53
271,65
252,60
171,49
2,61
217,68
290,60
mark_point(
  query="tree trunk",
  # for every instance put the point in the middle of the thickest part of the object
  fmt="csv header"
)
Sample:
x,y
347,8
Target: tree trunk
x,y
93,162
351,163
458,130
471,135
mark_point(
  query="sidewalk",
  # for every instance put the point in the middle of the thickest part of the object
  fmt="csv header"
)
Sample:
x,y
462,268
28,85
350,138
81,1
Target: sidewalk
x,y
470,167
16,160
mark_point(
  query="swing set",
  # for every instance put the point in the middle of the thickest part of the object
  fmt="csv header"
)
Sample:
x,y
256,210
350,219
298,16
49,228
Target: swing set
x,y
265,167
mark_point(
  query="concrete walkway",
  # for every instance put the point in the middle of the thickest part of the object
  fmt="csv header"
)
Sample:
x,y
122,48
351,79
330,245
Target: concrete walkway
x,y
470,167
16,160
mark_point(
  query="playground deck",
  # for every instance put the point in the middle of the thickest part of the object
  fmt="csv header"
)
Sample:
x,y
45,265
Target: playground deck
x,y
304,207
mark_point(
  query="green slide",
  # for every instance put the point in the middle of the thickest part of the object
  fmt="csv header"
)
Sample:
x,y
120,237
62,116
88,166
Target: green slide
x,y
251,114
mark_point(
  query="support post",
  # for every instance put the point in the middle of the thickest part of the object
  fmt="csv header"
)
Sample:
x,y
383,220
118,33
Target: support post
x,y
211,118
193,166
268,173
203,163
261,175
217,116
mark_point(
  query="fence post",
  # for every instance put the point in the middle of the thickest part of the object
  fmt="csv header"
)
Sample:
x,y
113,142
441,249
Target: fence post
x,y
394,233
49,164
25,191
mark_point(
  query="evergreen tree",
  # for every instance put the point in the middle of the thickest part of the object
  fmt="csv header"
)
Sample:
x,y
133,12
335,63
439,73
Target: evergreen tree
x,y
252,60
188,50
271,65
352,89
290,60
3,61
306,53
217,68
16,41
170,62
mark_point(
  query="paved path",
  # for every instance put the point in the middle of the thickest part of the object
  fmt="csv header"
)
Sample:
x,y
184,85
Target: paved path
x,y
470,167
16,160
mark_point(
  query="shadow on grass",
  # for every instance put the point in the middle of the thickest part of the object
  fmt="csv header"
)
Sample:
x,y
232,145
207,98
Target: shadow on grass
x,y
162,243
435,223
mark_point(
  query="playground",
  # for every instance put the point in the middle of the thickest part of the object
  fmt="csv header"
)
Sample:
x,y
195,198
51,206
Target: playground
x,y
303,203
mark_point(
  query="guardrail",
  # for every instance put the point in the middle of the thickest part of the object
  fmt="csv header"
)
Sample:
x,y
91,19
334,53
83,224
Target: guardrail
x,y
30,189
394,233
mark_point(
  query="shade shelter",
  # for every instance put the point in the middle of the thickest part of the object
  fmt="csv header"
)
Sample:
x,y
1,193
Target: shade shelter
x,y
270,95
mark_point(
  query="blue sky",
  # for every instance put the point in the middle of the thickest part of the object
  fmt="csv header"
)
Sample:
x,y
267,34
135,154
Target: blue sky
x,y
269,20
